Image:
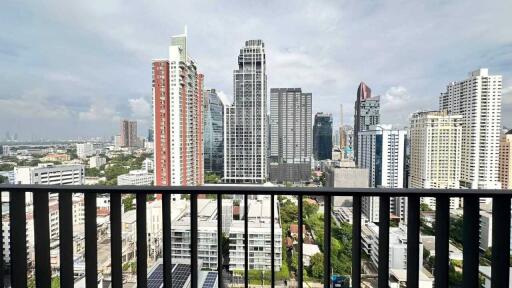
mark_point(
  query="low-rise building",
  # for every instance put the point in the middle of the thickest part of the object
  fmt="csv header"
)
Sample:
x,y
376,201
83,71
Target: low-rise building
x,y
136,177
259,237
84,150
397,245
97,161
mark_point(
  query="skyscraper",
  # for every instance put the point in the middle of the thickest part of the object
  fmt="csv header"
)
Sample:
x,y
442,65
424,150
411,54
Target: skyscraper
x,y
129,134
505,165
478,100
213,133
245,133
436,140
367,112
177,112
322,136
291,135
382,152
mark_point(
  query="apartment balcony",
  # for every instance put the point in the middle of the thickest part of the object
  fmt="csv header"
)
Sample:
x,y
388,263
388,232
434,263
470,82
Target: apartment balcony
x,y
43,269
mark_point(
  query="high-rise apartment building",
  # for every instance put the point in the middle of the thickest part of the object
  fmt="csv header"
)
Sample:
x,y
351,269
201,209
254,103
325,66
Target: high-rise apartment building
x,y
213,133
177,117
367,112
382,152
322,136
291,135
505,164
478,100
245,130
129,134
436,148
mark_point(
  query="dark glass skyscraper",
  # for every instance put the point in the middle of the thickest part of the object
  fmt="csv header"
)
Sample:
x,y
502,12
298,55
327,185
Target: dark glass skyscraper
x,y
322,136
367,113
213,133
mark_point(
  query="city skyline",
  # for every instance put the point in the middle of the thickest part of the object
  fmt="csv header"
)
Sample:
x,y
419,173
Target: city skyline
x,y
62,100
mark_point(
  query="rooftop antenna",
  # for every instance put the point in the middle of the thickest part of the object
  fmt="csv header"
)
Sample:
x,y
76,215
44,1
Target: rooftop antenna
x,y
186,30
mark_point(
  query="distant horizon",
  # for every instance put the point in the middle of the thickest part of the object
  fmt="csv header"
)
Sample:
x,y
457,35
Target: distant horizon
x,y
65,76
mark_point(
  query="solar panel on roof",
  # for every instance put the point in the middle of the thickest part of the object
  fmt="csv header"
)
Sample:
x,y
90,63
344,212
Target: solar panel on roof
x,y
211,280
156,278
180,275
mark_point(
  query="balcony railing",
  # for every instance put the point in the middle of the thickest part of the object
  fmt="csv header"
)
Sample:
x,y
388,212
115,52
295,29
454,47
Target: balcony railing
x,y
18,240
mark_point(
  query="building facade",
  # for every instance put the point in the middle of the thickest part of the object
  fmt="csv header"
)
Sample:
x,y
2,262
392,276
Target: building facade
x,y
366,114
245,130
213,133
177,117
478,100
97,161
84,150
136,177
291,135
436,148
505,164
49,174
382,152
322,136
129,134
259,237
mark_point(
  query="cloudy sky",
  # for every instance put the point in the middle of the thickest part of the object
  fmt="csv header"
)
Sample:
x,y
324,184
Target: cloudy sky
x,y
70,68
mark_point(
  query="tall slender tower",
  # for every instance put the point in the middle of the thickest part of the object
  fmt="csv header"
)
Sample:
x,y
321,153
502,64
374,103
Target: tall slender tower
x,y
129,133
213,133
367,113
245,133
177,117
478,100
322,136
291,135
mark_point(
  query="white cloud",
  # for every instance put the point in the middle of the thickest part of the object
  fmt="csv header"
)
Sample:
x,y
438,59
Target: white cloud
x,y
98,111
140,108
33,103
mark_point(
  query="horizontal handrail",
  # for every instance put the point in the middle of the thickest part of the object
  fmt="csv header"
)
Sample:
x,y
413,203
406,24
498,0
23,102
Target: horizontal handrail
x,y
258,190
18,241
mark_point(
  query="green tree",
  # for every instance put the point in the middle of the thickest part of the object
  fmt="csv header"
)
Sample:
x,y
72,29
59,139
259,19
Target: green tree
x,y
92,172
3,179
309,208
6,167
317,266
128,202
112,172
425,207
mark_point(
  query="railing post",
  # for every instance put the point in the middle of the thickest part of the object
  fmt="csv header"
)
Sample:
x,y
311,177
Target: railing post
x,y
115,240
470,253
42,239
18,243
91,240
383,242
193,239
500,241
219,240
300,267
413,241
2,267
356,241
327,240
166,235
66,239
272,240
246,240
442,241
142,242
